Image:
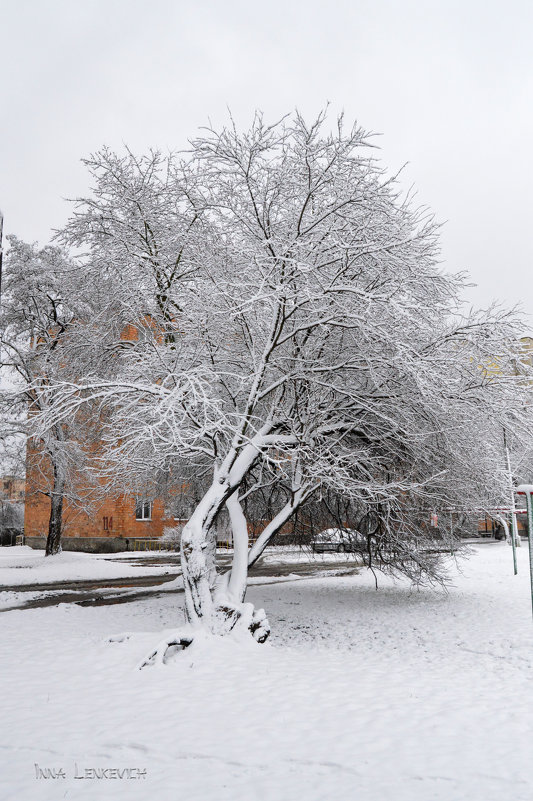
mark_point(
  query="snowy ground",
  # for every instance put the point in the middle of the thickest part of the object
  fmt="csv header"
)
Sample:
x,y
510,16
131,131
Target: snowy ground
x,y
413,696
21,565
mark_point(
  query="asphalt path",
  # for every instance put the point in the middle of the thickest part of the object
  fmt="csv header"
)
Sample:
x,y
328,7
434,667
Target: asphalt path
x,y
117,591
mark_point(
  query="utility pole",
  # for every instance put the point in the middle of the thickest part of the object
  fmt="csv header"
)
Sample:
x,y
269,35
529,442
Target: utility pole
x,y
1,251
527,490
514,523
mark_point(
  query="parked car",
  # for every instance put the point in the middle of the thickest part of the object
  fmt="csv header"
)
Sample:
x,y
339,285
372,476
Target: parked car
x,y
339,540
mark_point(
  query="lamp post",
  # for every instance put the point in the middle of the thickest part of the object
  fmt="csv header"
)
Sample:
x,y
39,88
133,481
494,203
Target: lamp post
x,y
1,250
527,490
514,524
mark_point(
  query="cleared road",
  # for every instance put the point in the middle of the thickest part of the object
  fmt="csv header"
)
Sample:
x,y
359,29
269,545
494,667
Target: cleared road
x,y
118,591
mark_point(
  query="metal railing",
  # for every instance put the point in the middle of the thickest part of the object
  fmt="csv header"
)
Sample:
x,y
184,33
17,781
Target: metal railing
x,y
139,544
152,545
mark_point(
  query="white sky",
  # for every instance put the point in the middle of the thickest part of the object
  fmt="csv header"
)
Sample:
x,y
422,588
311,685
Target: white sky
x,y
449,83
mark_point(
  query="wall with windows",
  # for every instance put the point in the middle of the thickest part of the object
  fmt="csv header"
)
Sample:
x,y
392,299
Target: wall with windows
x,y
112,522
116,519
12,488
120,518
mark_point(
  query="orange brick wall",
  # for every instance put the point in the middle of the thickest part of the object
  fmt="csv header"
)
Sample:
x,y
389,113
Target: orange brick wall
x,y
79,523
12,488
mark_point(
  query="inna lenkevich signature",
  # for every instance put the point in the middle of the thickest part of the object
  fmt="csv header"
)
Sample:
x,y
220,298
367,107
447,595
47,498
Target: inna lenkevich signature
x,y
89,773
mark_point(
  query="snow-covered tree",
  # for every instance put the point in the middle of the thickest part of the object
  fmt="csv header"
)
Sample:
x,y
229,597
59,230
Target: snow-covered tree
x,y
309,341
134,228
41,300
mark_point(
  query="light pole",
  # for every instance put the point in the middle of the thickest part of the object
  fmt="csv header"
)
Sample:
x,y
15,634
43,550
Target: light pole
x,y
527,490
1,251
514,524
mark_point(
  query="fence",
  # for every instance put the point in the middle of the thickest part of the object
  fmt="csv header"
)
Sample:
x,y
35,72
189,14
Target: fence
x,y
165,545
153,545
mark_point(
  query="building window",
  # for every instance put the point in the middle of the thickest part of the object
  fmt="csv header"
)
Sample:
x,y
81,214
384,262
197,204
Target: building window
x,y
108,523
143,510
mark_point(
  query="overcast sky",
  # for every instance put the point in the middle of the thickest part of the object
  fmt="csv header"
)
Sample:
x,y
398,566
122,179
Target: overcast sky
x,y
449,84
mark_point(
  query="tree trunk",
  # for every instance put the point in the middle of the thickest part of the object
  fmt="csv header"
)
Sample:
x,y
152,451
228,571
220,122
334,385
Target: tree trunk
x,y
221,616
196,563
55,523
221,609
233,586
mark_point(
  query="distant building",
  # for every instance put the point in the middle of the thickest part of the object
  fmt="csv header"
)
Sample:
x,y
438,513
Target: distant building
x,y
12,488
114,526
11,508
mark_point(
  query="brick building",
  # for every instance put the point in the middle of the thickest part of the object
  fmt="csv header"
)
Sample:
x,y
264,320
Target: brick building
x,y
12,488
113,526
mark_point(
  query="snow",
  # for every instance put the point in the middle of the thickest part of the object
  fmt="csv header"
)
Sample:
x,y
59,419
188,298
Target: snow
x,y
362,694
294,554
22,565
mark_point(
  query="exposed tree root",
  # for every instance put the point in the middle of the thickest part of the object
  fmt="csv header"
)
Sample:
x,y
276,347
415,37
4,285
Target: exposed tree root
x,y
243,617
239,620
157,656
180,639
260,627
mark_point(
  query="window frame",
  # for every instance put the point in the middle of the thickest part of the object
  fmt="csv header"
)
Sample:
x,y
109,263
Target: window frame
x,y
142,505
